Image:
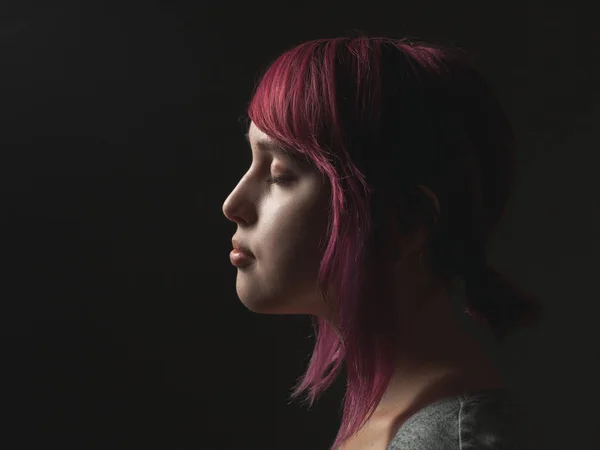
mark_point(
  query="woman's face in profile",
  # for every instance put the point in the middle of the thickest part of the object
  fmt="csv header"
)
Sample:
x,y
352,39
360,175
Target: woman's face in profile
x,y
283,225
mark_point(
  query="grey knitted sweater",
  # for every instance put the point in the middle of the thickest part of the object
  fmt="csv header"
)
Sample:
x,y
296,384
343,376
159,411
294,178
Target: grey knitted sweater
x,y
484,420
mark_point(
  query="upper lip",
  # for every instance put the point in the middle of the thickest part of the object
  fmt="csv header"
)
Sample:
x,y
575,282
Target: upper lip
x,y
240,247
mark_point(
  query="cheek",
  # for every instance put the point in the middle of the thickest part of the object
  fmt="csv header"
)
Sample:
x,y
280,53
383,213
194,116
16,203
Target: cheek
x,y
294,230
286,276
294,242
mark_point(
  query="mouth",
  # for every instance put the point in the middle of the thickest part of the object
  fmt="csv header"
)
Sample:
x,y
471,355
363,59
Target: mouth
x,y
241,248
240,258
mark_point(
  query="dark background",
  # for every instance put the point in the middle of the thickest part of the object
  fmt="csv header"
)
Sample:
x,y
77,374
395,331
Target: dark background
x,y
121,327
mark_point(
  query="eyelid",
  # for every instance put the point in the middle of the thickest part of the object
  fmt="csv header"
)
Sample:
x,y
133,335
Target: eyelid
x,y
289,160
280,172
285,167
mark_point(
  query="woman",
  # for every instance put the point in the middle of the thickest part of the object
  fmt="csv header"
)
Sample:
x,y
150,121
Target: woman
x,y
380,167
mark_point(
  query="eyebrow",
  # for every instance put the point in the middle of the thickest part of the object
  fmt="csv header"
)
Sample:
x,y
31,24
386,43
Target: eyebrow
x,y
273,148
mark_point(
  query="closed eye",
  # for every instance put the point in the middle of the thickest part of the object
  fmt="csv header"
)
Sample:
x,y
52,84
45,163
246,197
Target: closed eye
x,y
279,180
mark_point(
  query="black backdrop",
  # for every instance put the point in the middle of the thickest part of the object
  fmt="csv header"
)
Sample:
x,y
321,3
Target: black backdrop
x,y
121,327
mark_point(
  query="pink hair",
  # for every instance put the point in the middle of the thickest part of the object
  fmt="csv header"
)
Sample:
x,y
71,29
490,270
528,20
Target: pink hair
x,y
377,116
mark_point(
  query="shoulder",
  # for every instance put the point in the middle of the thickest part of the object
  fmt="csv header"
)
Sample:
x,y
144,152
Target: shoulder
x,y
485,420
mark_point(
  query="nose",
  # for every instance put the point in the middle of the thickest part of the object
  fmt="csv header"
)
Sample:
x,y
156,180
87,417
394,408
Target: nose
x,y
232,214
228,210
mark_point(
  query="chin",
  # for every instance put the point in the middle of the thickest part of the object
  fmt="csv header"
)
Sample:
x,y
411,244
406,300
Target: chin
x,y
263,307
274,308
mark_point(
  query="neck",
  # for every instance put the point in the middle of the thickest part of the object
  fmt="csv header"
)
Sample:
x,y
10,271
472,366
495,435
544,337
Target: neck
x,y
435,357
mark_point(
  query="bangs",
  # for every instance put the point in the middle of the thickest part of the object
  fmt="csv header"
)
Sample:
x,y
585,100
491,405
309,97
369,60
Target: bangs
x,y
308,101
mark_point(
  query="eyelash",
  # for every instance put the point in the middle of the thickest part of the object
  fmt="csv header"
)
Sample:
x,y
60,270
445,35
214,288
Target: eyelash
x,y
279,180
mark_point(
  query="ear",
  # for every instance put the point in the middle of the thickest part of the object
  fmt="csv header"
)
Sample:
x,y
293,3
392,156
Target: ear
x,y
434,199
409,223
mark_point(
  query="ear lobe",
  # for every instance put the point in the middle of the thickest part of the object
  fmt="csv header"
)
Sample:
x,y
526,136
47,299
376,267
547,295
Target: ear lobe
x,y
413,223
434,199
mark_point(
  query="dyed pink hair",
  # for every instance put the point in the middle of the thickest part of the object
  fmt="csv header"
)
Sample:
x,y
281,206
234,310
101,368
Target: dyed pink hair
x,y
376,117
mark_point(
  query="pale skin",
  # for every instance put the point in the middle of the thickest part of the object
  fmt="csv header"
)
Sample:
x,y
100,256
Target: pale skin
x,y
283,225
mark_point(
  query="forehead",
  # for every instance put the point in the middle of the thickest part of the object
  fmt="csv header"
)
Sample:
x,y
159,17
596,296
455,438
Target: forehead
x,y
263,144
255,134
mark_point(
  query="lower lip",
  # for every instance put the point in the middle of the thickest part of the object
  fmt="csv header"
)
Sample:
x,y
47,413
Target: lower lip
x,y
239,258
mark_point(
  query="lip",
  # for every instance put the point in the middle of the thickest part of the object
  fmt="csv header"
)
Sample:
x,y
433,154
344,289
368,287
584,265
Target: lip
x,y
239,258
241,248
